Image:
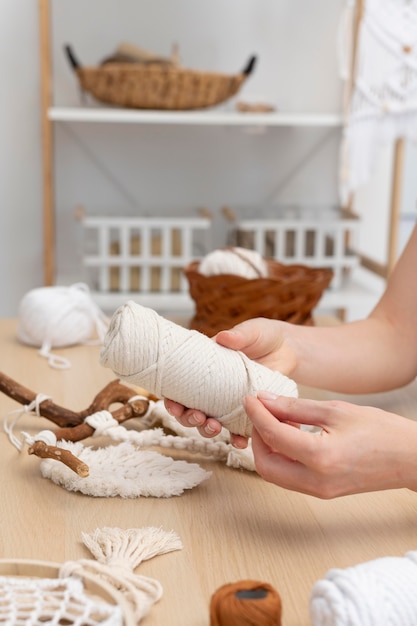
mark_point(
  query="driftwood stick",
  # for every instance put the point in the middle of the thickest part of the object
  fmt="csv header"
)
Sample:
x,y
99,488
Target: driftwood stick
x,y
136,408
57,414
72,426
113,393
41,449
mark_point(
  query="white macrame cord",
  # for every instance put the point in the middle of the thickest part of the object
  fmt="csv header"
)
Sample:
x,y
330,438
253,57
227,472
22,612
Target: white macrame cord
x,y
170,361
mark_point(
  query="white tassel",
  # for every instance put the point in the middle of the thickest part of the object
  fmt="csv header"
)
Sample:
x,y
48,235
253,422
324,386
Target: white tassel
x,y
131,546
118,553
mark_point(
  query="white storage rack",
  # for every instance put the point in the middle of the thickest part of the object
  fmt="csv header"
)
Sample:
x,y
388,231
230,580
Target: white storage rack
x,y
318,237
109,248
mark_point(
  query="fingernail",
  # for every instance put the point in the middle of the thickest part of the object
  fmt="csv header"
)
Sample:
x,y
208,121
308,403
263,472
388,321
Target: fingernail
x,y
209,429
195,420
267,395
174,411
239,445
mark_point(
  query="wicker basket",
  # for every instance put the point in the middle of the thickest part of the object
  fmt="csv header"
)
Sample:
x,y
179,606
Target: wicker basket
x,y
157,86
290,293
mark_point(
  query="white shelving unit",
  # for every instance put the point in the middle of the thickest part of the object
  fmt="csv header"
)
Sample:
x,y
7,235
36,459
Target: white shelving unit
x,y
341,298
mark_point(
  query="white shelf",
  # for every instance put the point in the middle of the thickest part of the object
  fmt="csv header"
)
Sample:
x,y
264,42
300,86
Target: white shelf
x,y
189,118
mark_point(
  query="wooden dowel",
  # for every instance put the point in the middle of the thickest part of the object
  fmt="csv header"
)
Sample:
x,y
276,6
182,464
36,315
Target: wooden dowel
x,y
47,146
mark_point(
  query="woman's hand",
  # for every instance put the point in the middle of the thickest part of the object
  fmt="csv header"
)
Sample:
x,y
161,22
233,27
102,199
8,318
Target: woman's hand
x,y
356,449
263,340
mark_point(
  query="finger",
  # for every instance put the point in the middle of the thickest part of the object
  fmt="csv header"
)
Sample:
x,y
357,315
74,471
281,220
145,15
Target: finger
x,y
281,470
238,441
242,336
174,408
279,436
211,426
301,411
191,418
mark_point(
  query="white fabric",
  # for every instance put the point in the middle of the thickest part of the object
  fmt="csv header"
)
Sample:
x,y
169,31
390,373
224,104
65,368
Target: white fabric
x,y
170,361
382,592
383,104
56,317
237,261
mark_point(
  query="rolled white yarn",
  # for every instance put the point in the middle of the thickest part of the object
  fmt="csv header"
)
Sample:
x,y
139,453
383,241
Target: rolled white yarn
x,y
375,593
56,317
238,261
184,365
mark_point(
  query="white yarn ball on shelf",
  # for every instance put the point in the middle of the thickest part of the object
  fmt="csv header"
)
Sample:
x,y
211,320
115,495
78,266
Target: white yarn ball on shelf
x,y
57,317
238,261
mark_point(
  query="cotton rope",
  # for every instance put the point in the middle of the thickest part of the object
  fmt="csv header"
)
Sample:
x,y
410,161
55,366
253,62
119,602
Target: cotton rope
x,y
184,365
383,105
238,261
380,592
57,317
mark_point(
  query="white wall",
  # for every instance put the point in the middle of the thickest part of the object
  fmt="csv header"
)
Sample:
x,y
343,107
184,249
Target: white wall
x,y
20,150
136,170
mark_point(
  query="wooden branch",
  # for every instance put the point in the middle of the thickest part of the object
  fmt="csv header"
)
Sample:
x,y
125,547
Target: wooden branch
x,y
137,408
41,449
113,393
72,425
57,414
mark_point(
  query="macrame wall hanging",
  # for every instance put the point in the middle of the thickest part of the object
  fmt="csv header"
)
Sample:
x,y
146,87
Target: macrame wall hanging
x,y
104,591
125,469
383,102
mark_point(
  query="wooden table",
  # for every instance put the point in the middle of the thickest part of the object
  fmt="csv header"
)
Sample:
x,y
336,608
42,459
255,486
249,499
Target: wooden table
x,y
233,526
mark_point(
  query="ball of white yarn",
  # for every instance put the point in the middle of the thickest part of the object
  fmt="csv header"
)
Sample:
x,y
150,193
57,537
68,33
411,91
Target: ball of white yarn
x,y
56,317
238,261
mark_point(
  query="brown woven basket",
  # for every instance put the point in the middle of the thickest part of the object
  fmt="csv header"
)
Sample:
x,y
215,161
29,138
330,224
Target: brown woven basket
x,y
157,86
290,293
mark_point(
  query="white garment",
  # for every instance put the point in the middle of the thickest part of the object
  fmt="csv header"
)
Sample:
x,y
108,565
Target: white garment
x,y
383,105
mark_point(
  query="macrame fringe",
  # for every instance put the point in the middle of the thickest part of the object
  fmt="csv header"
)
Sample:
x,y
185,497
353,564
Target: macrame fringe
x,y
123,470
118,552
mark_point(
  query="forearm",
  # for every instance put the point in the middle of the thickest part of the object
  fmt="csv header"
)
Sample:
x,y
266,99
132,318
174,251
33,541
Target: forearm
x,y
367,356
371,355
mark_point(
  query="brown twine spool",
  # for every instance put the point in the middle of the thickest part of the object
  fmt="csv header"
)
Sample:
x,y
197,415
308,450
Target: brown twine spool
x,y
245,603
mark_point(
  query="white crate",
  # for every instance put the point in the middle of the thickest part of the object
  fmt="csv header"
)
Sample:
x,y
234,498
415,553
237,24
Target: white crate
x,y
314,237
142,254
